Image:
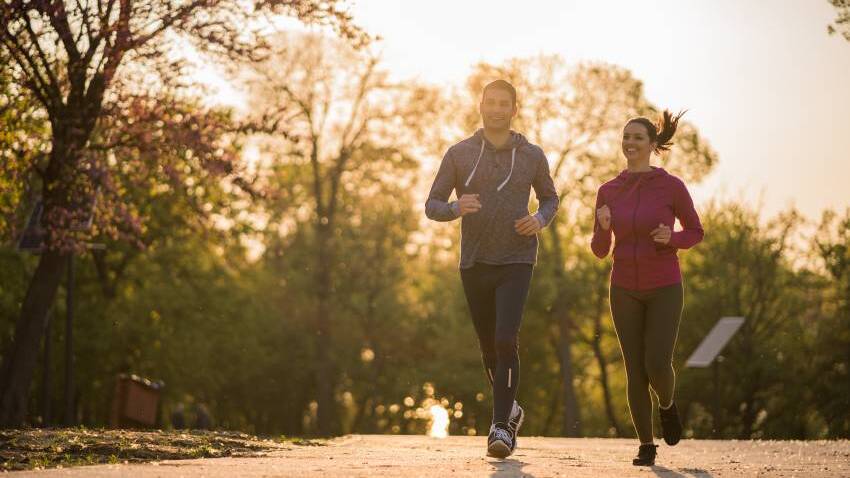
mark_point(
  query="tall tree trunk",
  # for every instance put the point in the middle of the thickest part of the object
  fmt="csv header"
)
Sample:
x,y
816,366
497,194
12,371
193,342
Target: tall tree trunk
x,y
22,354
324,360
572,421
571,426
553,407
376,371
596,344
606,389
69,136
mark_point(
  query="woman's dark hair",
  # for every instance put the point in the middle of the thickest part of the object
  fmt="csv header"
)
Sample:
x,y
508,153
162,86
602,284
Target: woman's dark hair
x,y
662,133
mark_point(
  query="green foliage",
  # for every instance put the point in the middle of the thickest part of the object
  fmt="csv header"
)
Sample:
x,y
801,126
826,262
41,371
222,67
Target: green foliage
x,y
842,20
744,268
209,278
22,144
831,358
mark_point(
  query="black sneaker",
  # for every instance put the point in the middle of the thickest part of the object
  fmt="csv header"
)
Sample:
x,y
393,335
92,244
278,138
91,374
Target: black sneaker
x,y
670,424
646,455
499,443
517,417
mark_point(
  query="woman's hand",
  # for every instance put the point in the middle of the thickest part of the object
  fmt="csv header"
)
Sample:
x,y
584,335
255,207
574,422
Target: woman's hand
x,y
661,234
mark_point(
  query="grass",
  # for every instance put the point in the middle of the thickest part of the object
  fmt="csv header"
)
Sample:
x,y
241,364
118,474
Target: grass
x,y
37,448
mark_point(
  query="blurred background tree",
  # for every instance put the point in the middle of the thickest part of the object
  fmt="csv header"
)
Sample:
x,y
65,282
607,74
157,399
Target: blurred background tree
x,y
273,263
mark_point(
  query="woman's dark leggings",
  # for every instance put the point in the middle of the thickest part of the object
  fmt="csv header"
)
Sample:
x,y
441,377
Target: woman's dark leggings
x,y
496,296
647,324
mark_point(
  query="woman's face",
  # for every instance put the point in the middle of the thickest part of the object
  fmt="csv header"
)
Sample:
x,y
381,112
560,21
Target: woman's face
x,y
636,144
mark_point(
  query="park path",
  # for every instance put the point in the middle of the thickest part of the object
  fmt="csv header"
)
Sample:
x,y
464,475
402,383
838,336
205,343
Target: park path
x,y
421,456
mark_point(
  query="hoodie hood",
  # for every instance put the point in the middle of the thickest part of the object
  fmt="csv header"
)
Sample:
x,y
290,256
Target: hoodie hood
x,y
626,183
627,176
516,140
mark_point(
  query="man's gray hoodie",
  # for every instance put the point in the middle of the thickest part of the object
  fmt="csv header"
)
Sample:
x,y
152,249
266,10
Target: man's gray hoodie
x,y
503,178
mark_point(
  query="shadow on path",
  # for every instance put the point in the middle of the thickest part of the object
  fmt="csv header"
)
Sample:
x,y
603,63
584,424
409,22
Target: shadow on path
x,y
509,468
668,473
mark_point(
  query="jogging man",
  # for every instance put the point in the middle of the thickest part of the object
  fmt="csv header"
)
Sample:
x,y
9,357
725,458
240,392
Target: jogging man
x,y
492,173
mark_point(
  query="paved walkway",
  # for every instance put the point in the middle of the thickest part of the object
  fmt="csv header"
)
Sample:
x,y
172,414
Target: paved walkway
x,y
420,456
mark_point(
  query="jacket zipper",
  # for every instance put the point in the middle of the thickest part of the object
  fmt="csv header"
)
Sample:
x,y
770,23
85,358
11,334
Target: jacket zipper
x,y
634,231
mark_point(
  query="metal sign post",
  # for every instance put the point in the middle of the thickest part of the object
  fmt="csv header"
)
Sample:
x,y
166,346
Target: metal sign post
x,y
708,354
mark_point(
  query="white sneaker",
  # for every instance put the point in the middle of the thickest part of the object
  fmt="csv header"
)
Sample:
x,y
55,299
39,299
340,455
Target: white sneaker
x,y
499,442
515,421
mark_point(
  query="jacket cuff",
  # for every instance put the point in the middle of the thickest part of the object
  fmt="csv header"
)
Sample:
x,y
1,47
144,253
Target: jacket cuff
x,y
455,207
539,216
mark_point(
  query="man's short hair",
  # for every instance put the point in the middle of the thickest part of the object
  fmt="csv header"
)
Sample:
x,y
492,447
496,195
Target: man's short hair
x,y
501,85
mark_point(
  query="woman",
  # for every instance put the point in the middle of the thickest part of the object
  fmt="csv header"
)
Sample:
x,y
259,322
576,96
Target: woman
x,y
640,206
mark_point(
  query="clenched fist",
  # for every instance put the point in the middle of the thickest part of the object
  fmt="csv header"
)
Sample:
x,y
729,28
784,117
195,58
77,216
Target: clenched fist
x,y
468,204
527,226
661,234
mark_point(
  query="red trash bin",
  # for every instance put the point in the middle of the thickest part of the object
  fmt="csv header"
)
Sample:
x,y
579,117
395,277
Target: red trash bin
x,y
135,403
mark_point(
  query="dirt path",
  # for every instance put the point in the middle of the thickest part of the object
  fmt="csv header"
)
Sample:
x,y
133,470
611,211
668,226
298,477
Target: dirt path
x,y
415,456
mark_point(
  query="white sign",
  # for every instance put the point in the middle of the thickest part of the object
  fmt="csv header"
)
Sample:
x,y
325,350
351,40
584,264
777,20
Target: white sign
x,y
714,342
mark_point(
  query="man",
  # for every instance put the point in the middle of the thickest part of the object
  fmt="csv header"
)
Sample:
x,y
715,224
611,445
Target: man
x,y
492,173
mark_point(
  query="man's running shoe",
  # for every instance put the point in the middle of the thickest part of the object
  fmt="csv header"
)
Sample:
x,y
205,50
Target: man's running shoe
x,y
500,442
515,421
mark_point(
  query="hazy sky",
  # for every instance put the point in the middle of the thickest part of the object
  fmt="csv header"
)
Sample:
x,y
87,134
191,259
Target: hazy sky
x,y
761,79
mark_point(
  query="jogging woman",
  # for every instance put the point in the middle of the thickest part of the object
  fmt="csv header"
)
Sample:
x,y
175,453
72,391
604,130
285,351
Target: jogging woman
x,y
640,206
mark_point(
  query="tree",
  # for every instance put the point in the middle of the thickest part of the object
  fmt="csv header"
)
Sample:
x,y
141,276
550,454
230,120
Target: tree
x,y
22,142
842,22
332,117
68,56
745,268
832,345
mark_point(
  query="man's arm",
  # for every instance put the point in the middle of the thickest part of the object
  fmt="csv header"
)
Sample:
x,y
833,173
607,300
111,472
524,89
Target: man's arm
x,y
547,195
437,207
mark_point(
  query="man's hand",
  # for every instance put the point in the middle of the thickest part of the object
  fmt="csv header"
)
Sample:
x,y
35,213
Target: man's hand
x,y
661,234
527,226
603,216
468,204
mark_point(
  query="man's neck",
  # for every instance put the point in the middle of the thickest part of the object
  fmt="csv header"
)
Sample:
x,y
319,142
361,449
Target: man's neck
x,y
497,137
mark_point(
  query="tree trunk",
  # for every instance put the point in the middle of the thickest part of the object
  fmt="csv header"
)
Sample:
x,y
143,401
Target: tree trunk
x,y
324,365
572,421
553,409
606,389
571,426
596,343
21,357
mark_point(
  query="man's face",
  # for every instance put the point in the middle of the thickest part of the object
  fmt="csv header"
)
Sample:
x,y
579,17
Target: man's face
x,y
497,109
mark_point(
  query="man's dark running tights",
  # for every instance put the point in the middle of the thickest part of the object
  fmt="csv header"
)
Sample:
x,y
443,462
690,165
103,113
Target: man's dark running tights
x,y
496,296
647,324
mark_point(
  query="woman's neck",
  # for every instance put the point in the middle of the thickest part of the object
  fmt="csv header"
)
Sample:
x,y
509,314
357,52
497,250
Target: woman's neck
x,y
641,166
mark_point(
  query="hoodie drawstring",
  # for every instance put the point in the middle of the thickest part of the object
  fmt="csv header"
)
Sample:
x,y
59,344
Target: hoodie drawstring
x,y
511,172
475,167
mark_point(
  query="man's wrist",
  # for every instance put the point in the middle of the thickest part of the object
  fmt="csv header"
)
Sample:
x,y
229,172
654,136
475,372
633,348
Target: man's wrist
x,y
540,219
455,207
